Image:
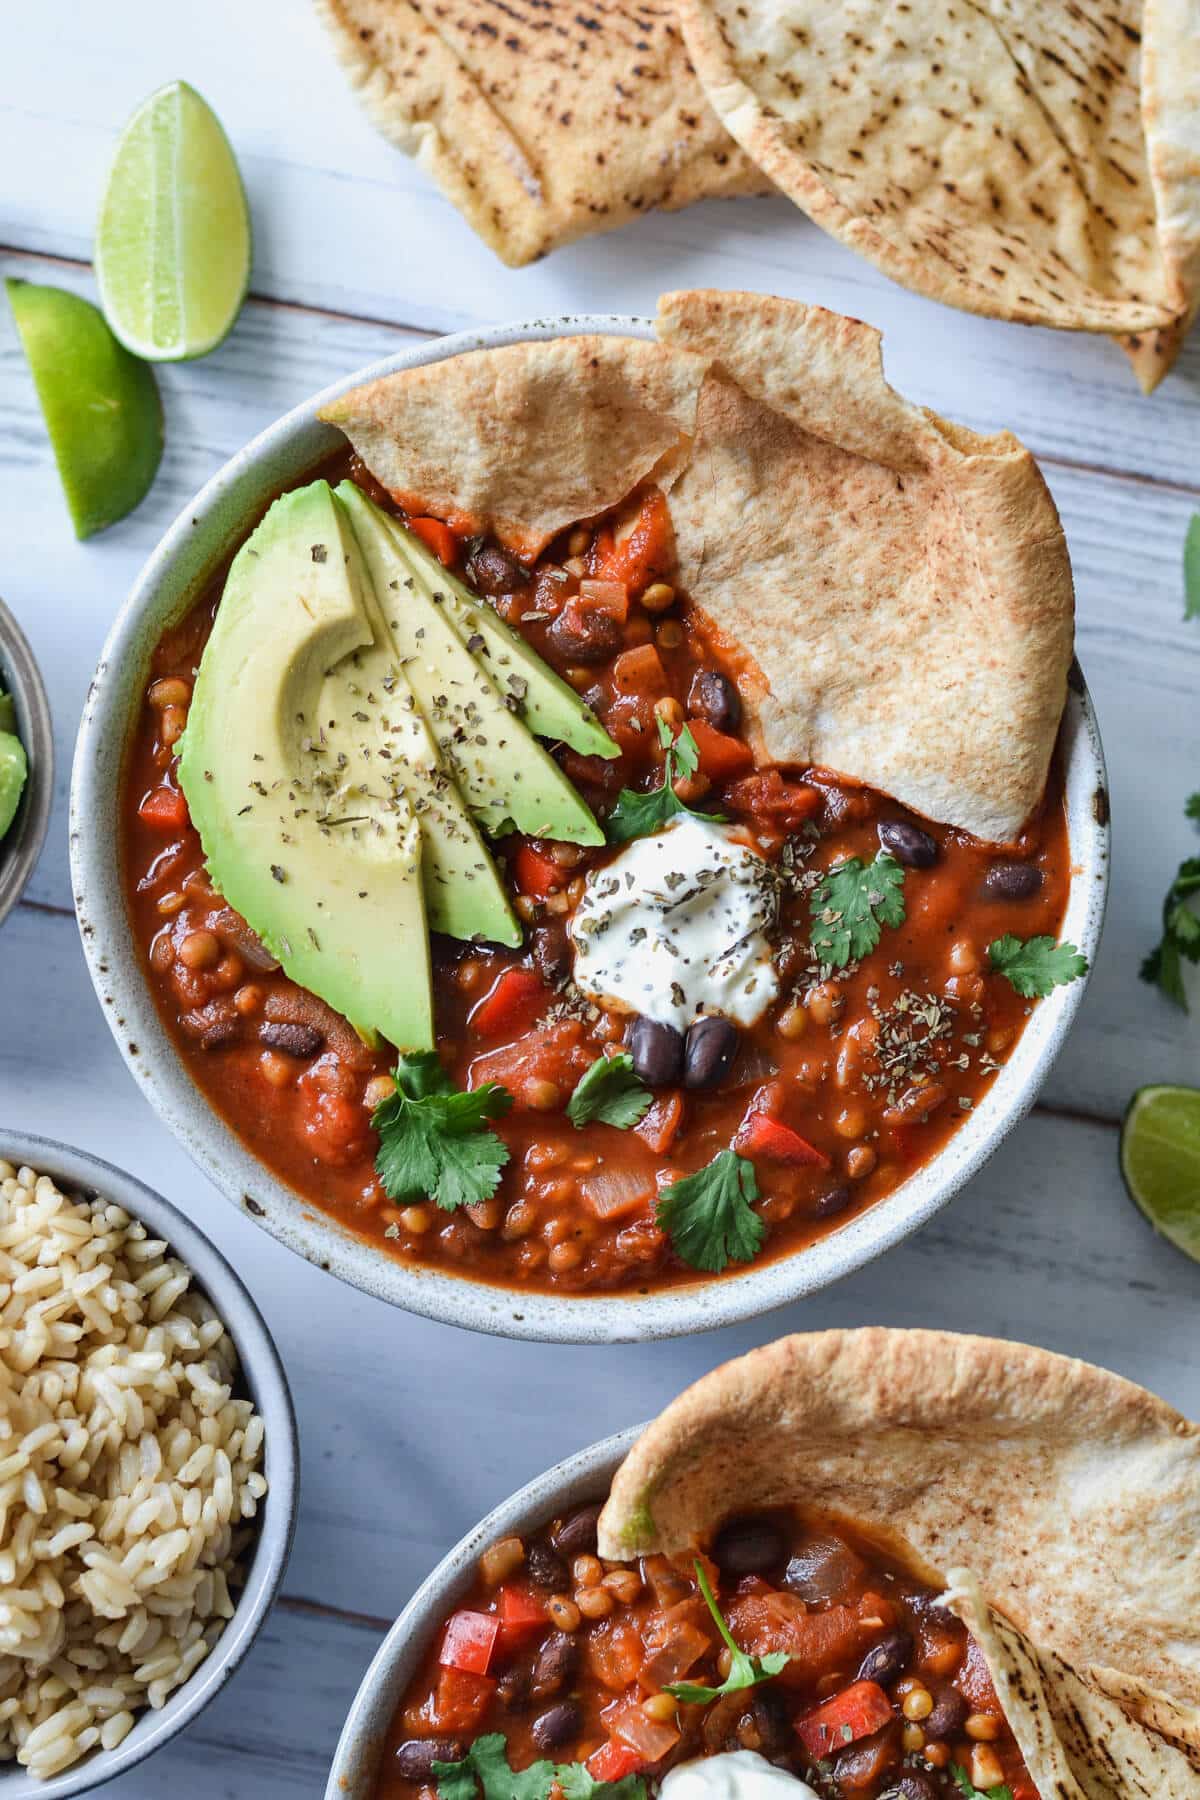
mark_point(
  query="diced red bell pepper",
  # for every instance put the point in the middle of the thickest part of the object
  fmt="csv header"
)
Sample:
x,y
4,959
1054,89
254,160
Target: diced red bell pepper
x,y
515,999
722,758
461,1700
537,875
468,1642
661,1124
645,551
613,1761
760,1135
640,671
859,1711
519,1612
164,809
438,537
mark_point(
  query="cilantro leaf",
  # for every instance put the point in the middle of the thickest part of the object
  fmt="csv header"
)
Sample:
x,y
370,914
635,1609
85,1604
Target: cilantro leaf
x,y
1191,805
968,1788
432,1138
709,1216
611,1092
485,1769
1035,965
578,1783
1191,569
1180,941
637,814
852,902
744,1671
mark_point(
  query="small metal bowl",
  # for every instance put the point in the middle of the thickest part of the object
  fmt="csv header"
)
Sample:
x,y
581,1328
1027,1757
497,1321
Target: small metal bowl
x,y
264,1382
22,843
582,1477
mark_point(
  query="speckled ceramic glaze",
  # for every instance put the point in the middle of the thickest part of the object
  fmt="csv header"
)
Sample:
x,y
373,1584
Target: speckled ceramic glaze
x,y
22,843
583,1477
266,1385
180,568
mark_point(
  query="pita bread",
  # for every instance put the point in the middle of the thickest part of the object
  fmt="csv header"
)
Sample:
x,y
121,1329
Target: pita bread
x,y
541,121
897,587
1074,1496
1020,158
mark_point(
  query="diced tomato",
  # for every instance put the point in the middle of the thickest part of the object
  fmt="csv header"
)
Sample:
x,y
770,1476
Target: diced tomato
x,y
164,809
335,1129
857,1712
765,796
614,1654
468,1642
640,671
974,1681
646,550
613,1761
519,1612
760,1135
816,1642
650,1738
554,1053
514,1001
437,537
875,1609
461,1700
661,1124
535,874
722,758
609,596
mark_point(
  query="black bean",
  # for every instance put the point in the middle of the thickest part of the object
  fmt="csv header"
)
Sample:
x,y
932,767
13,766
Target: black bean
x,y
657,1052
833,1201
514,1688
907,843
866,1763
773,1720
748,1545
551,949
1012,881
293,1040
948,1715
714,699
492,570
558,1725
211,1028
546,1568
888,1660
576,1535
822,1568
415,1759
915,1786
585,634
555,1665
709,1052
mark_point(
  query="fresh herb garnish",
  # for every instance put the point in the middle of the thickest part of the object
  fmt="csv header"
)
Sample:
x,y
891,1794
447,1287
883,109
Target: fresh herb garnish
x,y
485,1769
744,1671
433,1141
1180,941
709,1217
1035,965
1191,569
611,1093
636,814
850,906
968,1788
1191,805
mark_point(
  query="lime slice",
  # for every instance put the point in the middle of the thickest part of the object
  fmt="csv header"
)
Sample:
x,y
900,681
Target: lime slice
x,y
1160,1160
173,241
100,404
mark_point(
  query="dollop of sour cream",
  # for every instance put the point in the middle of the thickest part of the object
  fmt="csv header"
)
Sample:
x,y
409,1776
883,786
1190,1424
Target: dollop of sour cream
x,y
676,925
736,1775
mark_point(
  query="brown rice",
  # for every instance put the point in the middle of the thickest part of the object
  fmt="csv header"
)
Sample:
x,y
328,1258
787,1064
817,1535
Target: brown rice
x,y
127,1473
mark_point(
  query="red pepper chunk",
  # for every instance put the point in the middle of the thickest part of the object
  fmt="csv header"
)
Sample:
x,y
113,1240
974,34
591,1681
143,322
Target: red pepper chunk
x,y
520,1612
613,1761
438,537
760,1135
859,1711
468,1642
535,874
461,1700
164,809
513,1003
647,550
722,758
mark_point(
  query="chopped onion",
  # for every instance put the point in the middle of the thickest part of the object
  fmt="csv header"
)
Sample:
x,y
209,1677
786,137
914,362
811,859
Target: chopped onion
x,y
651,1738
752,1063
233,928
295,1006
613,1192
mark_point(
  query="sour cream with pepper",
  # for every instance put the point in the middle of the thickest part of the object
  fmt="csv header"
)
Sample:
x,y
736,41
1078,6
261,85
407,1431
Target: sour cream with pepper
x,y
676,924
736,1775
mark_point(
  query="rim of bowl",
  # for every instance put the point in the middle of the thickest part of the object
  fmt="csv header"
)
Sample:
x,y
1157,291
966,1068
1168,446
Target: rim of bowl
x,y
21,845
266,1381
576,1478
186,558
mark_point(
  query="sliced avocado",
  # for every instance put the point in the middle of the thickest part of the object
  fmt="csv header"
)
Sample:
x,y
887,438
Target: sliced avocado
x,y
319,856
549,705
8,712
505,775
14,769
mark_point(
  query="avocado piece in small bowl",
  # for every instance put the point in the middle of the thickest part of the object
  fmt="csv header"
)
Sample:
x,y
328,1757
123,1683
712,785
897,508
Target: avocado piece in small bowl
x,y
26,762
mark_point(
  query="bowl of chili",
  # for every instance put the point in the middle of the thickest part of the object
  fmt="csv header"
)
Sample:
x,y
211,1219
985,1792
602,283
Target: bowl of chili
x,y
21,685
173,964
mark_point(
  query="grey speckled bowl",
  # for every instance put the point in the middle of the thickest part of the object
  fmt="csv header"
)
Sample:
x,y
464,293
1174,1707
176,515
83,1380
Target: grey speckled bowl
x,y
188,556
22,843
265,1383
582,1477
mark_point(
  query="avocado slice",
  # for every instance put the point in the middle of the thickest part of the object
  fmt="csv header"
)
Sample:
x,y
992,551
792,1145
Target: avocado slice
x,y
505,776
14,769
320,856
8,712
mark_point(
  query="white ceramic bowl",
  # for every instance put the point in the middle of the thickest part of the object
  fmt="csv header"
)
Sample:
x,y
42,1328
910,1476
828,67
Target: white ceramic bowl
x,y
179,570
583,1477
264,1382
22,843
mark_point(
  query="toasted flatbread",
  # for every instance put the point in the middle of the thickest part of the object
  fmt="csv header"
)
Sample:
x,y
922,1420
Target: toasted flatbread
x,y
1072,1495
1036,160
541,121
898,587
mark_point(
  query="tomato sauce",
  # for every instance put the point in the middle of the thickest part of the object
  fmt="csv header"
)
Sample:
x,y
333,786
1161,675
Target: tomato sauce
x,y
871,1067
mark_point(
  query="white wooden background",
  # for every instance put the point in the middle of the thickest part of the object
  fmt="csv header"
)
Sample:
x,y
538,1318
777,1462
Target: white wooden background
x,y
411,1430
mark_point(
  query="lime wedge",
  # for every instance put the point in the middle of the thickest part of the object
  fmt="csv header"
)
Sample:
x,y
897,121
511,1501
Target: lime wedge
x,y
173,241
100,404
1160,1160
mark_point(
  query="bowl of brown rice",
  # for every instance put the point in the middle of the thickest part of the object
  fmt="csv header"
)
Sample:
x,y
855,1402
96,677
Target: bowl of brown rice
x,y
148,1470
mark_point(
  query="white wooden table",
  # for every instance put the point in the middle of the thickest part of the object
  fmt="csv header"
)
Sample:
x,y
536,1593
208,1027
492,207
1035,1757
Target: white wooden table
x,y
410,1430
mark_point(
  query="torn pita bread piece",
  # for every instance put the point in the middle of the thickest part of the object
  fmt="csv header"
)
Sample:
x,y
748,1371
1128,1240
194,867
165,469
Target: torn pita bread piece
x,y
541,121
897,587
1073,1496
1036,160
